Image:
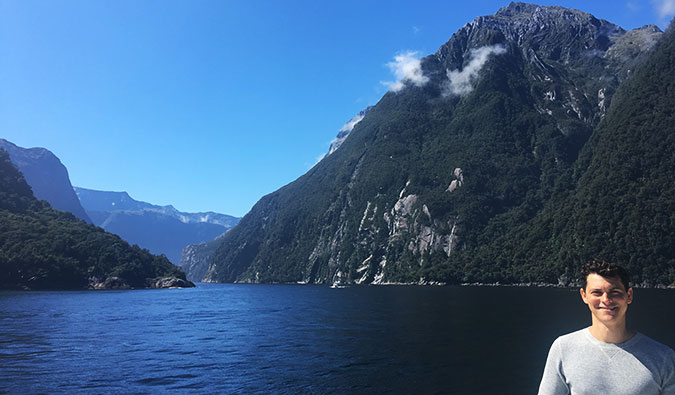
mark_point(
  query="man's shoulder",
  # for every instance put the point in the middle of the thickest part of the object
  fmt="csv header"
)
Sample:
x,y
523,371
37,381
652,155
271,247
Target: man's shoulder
x,y
572,342
579,336
653,347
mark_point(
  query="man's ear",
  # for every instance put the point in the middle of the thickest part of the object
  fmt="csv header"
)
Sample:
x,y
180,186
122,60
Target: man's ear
x,y
583,295
629,299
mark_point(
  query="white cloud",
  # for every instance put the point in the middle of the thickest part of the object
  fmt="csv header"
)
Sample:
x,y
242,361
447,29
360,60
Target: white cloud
x,y
665,8
460,82
407,69
352,122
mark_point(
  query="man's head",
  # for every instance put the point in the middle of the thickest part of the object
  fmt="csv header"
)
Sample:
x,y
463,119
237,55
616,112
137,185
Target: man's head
x,y
606,291
606,270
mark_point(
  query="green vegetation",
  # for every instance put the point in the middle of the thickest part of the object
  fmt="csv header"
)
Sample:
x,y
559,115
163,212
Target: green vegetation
x,y
550,179
619,207
42,248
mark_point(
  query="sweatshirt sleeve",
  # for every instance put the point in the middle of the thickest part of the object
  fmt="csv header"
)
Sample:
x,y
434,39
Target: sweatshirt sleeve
x,y
669,380
553,381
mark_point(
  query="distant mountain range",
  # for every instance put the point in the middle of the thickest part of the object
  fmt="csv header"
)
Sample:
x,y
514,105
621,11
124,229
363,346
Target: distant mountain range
x,y
44,248
533,140
47,177
160,229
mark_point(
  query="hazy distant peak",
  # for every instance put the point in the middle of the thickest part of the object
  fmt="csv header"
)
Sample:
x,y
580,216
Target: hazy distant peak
x,y
112,202
93,200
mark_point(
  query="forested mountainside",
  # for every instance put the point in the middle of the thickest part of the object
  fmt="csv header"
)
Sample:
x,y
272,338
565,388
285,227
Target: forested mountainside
x,y
160,229
495,163
47,177
622,205
43,248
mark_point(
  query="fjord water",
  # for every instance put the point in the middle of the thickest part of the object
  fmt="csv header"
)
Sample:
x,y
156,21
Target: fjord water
x,y
220,338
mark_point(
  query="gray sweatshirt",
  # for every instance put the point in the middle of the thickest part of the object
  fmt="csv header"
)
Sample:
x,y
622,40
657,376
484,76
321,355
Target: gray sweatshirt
x,y
580,364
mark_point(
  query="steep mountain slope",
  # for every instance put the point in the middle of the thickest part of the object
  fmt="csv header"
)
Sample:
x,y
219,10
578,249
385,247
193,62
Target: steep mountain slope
x,y
160,229
42,248
622,207
47,176
484,136
195,258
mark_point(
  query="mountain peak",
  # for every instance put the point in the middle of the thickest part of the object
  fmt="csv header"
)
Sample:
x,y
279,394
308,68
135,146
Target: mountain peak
x,y
521,22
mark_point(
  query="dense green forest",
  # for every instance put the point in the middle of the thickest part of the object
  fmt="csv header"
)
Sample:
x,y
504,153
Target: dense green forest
x,y
561,152
617,202
42,248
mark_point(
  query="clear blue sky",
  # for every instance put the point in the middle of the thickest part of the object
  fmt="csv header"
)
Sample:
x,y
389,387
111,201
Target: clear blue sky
x,y
209,105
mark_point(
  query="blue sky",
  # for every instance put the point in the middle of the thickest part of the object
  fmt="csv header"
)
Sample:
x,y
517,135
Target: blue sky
x,y
209,105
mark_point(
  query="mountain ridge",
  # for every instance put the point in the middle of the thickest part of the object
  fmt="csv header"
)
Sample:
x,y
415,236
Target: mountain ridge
x,y
44,248
477,146
109,201
160,229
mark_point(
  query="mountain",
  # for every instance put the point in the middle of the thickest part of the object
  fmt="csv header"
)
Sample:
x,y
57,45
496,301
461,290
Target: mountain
x,y
160,229
47,176
195,258
621,207
43,248
488,134
346,129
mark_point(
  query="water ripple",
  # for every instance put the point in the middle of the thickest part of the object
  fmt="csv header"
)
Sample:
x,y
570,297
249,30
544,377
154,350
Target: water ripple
x,y
287,339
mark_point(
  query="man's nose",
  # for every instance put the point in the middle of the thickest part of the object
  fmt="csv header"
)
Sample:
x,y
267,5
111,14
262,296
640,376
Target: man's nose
x,y
605,298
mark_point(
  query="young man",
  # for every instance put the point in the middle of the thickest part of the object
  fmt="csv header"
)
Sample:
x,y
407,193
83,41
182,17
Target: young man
x,y
607,358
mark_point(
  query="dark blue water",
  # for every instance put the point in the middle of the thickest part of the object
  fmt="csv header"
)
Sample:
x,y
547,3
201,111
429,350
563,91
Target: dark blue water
x,y
295,339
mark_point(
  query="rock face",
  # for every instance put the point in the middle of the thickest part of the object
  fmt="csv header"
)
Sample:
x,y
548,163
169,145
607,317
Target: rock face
x,y
112,283
195,258
437,170
160,229
47,176
170,282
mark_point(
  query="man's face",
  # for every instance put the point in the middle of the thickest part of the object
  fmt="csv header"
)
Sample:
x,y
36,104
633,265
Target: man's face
x,y
607,298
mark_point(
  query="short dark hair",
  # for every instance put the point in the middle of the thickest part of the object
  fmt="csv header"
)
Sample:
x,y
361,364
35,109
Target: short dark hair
x,y
606,270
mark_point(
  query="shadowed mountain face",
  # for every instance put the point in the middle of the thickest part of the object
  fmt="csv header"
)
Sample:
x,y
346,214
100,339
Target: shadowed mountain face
x,y
160,229
195,258
468,151
47,176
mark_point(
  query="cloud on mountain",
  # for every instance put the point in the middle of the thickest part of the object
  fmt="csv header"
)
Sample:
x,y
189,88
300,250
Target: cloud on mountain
x,y
352,122
406,67
460,83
